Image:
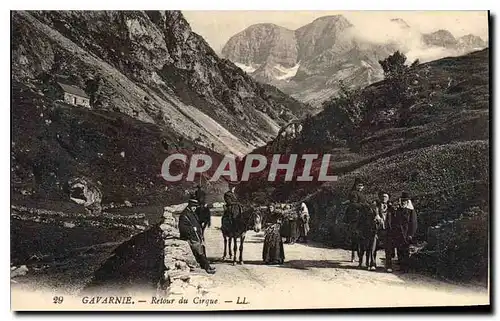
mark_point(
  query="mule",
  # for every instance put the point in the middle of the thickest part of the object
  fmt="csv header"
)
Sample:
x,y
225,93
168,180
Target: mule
x,y
376,238
364,236
234,229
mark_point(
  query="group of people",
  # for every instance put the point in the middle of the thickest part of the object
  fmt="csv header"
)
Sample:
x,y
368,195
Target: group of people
x,y
294,227
393,224
285,220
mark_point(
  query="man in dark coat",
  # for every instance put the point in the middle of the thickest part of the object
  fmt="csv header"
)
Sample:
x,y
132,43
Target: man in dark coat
x,y
403,227
190,230
383,213
358,205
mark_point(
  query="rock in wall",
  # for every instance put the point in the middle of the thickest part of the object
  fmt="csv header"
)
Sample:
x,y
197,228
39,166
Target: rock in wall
x,y
182,273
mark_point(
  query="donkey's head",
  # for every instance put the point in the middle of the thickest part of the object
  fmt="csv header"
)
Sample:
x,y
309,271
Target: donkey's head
x,y
257,220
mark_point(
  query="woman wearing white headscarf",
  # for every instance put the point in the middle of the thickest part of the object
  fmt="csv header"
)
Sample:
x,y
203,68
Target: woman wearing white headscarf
x,y
403,227
303,222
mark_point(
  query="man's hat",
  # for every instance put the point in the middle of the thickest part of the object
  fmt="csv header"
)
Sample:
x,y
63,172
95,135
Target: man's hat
x,y
383,192
192,201
405,196
358,181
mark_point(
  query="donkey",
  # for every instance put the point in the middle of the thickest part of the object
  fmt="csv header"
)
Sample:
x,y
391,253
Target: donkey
x,y
204,217
364,236
236,228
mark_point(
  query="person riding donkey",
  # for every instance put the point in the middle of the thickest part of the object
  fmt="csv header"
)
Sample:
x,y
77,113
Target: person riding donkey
x,y
233,207
203,212
200,196
190,230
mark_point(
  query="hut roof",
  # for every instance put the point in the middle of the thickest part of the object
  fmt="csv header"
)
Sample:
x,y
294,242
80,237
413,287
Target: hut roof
x,y
73,90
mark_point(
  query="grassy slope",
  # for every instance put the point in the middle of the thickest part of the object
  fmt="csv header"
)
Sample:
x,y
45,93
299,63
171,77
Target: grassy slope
x,y
442,115
441,185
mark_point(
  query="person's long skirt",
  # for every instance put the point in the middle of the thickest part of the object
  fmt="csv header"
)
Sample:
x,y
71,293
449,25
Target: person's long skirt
x,y
303,230
285,229
273,251
294,231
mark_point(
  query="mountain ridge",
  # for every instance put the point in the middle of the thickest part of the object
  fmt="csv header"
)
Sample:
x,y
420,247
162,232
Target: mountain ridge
x,y
325,47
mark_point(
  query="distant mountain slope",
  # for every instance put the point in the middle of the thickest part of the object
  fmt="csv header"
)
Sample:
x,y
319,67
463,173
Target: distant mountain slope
x,y
330,49
155,88
151,66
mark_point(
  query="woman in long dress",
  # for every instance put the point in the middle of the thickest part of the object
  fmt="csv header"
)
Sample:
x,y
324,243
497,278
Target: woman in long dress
x,y
273,251
293,218
303,222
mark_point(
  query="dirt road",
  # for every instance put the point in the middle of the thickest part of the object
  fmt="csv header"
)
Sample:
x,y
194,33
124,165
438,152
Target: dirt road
x,y
315,276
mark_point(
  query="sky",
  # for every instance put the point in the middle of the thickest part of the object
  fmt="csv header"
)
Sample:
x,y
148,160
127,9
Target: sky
x,y
216,27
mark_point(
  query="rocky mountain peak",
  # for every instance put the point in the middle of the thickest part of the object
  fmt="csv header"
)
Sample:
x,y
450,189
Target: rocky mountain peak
x,y
322,34
261,43
440,38
332,19
472,41
401,23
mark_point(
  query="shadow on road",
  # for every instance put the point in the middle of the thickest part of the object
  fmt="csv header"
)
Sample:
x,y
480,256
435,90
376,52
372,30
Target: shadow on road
x,y
296,264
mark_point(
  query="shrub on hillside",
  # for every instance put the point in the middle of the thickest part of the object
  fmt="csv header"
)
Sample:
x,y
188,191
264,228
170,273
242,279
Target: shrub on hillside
x,y
458,249
400,92
344,113
441,180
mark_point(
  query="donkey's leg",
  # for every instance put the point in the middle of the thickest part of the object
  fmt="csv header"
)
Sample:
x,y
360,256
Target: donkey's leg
x,y
242,240
359,248
225,247
235,248
367,247
353,249
373,251
230,248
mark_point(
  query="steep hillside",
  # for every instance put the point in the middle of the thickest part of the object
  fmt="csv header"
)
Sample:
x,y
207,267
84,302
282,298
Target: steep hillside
x,y
52,144
330,49
155,88
151,66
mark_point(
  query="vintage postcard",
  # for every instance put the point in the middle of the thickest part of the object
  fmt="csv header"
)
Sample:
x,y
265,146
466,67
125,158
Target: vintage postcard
x,y
249,160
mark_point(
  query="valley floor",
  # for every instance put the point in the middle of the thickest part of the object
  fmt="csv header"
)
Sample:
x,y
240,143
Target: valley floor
x,y
315,277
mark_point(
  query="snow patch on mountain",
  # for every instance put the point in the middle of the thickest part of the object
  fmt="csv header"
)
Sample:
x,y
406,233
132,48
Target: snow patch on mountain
x,y
365,64
245,68
287,73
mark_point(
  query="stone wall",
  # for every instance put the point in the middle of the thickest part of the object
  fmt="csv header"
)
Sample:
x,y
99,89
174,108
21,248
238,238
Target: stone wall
x,y
183,276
